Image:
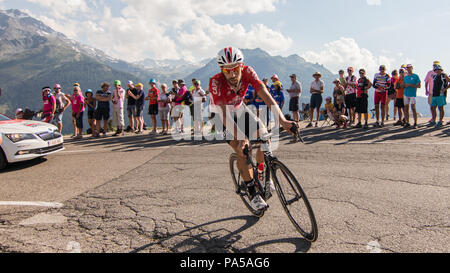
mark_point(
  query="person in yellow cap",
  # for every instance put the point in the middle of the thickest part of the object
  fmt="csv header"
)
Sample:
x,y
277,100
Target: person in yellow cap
x,y
429,84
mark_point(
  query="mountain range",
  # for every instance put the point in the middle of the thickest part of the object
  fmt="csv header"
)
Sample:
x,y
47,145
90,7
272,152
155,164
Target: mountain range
x,y
33,55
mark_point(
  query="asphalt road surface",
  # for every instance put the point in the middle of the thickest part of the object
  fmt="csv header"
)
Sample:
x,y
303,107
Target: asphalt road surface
x,y
381,190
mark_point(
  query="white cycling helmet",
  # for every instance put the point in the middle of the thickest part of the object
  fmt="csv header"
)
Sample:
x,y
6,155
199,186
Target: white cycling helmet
x,y
230,55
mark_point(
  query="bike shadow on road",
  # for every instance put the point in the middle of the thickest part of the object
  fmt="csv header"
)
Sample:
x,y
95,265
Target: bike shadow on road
x,y
13,167
198,243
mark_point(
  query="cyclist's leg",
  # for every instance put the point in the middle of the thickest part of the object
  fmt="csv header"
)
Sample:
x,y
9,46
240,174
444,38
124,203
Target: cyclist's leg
x,y
245,170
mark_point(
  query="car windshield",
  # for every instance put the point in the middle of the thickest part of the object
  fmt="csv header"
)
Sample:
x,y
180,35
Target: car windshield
x,y
3,117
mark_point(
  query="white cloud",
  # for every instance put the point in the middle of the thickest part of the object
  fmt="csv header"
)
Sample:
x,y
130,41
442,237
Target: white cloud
x,y
163,28
207,37
345,52
374,2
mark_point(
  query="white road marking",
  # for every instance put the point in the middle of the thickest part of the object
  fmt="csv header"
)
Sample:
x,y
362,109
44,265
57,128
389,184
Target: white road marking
x,y
31,204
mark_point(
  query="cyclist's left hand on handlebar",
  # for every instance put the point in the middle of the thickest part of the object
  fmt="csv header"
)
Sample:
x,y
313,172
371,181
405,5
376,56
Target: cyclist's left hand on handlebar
x,y
241,147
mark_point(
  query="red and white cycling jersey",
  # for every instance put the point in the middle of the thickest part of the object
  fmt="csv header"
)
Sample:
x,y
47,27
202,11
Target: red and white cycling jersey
x,y
223,94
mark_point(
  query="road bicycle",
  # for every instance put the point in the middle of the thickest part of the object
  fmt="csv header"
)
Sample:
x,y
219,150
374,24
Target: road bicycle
x,y
290,193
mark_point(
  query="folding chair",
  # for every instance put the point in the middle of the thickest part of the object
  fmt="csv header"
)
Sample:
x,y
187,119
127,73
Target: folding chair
x,y
327,119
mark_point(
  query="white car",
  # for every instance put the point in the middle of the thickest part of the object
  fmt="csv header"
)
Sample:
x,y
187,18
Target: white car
x,y
22,140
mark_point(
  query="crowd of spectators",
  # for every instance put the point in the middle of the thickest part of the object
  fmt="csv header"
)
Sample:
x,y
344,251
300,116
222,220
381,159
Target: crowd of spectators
x,y
348,106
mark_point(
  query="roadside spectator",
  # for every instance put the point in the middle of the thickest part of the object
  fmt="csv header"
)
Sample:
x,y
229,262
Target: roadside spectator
x,y
77,111
329,109
266,83
62,103
180,103
339,114
153,94
194,80
338,91
342,78
199,96
164,109
440,87
429,84
362,99
391,94
277,93
49,108
274,79
173,93
294,98
412,83
140,102
90,103
399,102
131,107
350,94
249,98
19,113
118,100
381,84
317,89
102,113
260,105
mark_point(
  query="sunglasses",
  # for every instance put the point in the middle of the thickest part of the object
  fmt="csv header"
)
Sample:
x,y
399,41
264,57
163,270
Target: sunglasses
x,y
228,71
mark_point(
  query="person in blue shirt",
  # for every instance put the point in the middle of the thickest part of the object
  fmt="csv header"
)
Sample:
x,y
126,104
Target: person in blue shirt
x,y
276,90
249,98
412,83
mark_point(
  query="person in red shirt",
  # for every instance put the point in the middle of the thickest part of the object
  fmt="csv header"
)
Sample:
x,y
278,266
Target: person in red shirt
x,y
392,94
228,90
153,95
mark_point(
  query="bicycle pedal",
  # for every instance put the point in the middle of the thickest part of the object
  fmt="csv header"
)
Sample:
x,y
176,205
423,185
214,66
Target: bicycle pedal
x,y
268,196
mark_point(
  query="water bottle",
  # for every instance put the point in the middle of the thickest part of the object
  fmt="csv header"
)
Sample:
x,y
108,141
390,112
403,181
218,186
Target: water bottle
x,y
261,168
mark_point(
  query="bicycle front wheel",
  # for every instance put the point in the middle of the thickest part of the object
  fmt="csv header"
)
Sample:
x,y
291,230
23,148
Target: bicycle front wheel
x,y
294,201
240,187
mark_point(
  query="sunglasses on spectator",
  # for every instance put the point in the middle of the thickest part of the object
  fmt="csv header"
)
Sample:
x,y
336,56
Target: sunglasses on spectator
x,y
235,69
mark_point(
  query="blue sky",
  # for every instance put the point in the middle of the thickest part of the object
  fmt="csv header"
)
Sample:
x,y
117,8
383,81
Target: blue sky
x,y
336,33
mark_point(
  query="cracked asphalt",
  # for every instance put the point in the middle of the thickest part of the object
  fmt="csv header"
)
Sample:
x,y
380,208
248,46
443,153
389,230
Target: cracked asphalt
x,y
387,187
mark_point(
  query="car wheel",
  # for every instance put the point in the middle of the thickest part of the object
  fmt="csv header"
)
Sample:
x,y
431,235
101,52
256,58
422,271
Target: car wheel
x,y
3,161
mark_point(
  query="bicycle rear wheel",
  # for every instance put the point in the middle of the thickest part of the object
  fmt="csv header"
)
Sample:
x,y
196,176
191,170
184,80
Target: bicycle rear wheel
x,y
241,190
294,201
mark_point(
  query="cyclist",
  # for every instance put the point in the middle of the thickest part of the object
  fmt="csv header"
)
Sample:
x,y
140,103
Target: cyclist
x,y
228,90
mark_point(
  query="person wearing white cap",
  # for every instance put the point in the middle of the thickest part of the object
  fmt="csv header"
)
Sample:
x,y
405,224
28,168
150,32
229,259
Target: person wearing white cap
x,y
19,113
62,103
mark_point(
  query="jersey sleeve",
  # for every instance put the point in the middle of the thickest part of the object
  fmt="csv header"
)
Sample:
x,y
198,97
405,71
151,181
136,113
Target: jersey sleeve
x,y
253,78
214,90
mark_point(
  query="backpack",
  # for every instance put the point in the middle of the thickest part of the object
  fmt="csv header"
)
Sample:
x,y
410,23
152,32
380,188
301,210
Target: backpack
x,y
444,82
188,99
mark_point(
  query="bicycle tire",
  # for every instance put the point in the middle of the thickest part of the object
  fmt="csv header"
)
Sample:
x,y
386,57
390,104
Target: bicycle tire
x,y
236,176
312,234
